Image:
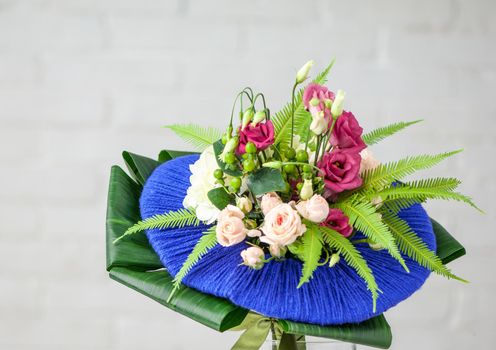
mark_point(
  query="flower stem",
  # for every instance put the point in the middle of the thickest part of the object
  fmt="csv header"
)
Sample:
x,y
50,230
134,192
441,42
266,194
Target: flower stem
x,y
293,111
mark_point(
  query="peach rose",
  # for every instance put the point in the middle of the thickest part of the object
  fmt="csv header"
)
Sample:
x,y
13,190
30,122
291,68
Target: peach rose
x,y
269,201
230,228
253,257
368,161
315,209
282,226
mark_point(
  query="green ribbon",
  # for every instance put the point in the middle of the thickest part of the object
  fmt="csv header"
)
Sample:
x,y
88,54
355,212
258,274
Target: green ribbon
x,y
256,329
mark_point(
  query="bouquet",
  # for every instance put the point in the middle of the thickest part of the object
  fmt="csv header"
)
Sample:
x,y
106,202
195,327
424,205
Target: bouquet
x,y
283,222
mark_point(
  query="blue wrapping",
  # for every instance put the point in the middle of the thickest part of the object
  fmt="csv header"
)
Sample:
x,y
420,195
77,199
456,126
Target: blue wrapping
x,y
333,296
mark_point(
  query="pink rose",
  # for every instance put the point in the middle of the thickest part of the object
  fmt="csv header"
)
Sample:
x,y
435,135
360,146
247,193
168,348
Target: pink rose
x,y
253,257
347,133
269,201
368,161
282,225
230,228
315,209
261,134
341,171
339,222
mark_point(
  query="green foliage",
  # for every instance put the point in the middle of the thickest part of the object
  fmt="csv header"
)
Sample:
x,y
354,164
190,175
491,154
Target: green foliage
x,y
179,218
218,148
220,197
199,136
311,251
411,245
364,218
140,167
385,174
206,242
380,134
421,190
265,180
282,119
353,257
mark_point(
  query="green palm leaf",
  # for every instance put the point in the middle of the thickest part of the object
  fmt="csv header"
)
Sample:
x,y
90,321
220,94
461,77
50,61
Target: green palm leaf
x,y
199,136
380,134
282,119
206,242
364,218
179,218
383,175
311,251
413,246
353,257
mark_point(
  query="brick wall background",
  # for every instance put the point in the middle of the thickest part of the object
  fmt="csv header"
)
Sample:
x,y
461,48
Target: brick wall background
x,y
81,80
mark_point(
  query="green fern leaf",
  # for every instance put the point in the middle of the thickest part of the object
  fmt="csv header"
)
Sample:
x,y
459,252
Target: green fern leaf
x,y
421,190
206,242
380,134
199,136
411,245
311,251
363,217
396,205
353,257
383,175
179,218
282,119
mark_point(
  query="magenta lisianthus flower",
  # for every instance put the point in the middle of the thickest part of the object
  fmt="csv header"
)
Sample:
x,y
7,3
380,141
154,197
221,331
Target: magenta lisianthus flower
x,y
347,134
339,222
317,100
341,171
262,135
319,92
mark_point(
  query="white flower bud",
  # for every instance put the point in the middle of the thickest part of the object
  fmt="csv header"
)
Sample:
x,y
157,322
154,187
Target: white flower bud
x,y
337,105
258,117
302,74
244,204
247,117
274,165
334,259
230,146
307,190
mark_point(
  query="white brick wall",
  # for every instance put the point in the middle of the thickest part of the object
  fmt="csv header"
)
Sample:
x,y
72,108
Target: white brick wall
x,y
81,80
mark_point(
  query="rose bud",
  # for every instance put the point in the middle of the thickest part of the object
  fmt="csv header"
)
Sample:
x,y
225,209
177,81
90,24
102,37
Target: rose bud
x,y
253,257
244,204
315,209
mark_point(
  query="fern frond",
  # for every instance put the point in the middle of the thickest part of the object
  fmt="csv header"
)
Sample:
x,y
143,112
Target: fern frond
x,y
311,251
206,242
353,257
380,134
421,190
383,175
396,205
198,136
177,219
282,119
413,246
363,217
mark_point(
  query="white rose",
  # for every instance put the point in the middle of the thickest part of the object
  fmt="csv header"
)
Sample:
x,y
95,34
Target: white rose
x,y
282,225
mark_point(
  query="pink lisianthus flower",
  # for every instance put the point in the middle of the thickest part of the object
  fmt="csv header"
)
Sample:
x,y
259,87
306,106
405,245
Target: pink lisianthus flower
x,y
347,133
341,171
314,99
339,222
261,134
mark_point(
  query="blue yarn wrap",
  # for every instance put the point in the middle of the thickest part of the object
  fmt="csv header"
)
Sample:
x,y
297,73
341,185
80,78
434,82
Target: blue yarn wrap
x,y
333,296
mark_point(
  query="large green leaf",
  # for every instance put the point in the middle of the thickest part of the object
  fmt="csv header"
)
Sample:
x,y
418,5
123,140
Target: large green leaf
x,y
266,180
166,155
140,167
373,332
220,197
122,213
213,312
448,248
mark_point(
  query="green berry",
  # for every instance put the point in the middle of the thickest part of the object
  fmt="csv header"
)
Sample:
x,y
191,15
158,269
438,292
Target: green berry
x,y
230,158
289,168
299,185
248,165
307,168
251,148
224,139
290,153
236,182
302,156
218,174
